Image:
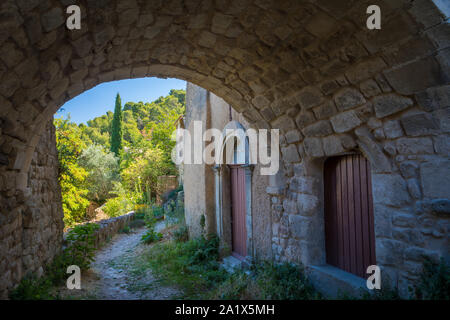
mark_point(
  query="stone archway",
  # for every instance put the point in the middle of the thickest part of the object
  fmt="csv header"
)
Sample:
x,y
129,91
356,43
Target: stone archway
x,y
310,68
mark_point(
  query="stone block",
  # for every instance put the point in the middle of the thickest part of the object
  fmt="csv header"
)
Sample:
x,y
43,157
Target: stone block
x,y
307,204
293,136
260,102
410,236
52,19
434,98
309,97
442,145
392,129
347,141
388,104
284,123
383,221
345,121
300,227
435,179
404,220
329,86
441,207
348,98
419,124
319,129
290,153
373,151
418,254
389,252
414,189
304,118
325,110
313,147
416,76
390,189
365,70
414,146
221,22
443,117
369,88
408,169
332,145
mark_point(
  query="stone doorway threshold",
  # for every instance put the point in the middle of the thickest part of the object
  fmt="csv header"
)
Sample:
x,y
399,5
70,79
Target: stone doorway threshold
x,y
334,282
231,264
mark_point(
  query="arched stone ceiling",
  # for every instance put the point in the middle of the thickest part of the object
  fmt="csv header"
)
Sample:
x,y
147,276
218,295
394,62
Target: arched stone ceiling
x,y
271,60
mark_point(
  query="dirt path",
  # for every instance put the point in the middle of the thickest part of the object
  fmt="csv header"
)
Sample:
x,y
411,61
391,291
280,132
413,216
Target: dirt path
x,y
113,275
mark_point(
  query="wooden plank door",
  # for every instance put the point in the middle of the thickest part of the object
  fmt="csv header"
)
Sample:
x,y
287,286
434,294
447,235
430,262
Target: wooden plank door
x,y
349,228
238,221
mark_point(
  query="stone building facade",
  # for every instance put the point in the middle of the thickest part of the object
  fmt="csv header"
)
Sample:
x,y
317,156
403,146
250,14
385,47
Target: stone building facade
x,y
310,68
201,190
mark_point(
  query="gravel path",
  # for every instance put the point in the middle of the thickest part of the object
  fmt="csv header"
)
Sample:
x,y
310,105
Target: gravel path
x,y
112,276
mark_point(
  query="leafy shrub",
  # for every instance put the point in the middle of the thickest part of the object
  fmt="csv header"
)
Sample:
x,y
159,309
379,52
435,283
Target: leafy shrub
x,y
203,249
151,236
283,282
79,251
32,288
112,207
193,265
434,281
81,246
120,205
181,234
157,211
267,280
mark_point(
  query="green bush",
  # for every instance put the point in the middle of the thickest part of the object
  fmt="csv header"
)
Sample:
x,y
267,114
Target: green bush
x,y
434,281
118,206
283,282
181,234
79,251
267,280
151,236
192,265
80,245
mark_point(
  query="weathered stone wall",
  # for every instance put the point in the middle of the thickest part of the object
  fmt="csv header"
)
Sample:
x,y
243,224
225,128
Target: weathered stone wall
x,y
195,198
31,221
407,143
109,228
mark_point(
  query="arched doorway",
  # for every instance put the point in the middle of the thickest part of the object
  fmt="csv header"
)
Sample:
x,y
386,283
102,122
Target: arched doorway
x,y
233,192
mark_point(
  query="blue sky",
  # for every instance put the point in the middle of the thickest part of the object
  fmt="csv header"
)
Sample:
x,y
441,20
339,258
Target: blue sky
x,y
96,101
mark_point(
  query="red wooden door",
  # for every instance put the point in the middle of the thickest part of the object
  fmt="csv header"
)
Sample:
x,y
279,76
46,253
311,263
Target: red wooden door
x,y
349,228
239,232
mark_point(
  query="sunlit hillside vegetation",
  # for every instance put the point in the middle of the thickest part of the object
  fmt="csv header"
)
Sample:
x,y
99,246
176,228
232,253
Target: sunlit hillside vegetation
x,y
91,174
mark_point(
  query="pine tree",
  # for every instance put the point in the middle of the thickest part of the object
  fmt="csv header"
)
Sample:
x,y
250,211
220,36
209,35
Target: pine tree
x,y
116,128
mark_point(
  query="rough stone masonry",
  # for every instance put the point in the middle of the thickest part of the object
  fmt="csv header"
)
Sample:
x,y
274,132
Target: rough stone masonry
x,y
310,68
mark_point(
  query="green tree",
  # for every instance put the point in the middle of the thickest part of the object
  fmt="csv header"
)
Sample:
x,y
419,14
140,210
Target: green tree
x,y
71,176
103,169
116,130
